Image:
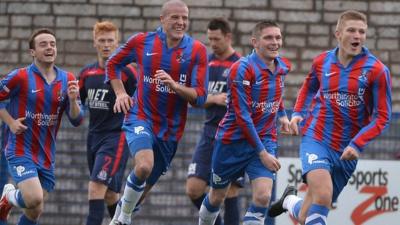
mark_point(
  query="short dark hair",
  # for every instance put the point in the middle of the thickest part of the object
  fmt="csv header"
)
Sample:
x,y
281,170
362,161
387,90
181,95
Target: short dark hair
x,y
38,32
261,26
219,24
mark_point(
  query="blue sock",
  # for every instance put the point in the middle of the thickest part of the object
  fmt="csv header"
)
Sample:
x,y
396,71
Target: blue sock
x,y
296,209
15,198
134,182
255,215
23,220
210,207
317,214
20,200
96,212
231,216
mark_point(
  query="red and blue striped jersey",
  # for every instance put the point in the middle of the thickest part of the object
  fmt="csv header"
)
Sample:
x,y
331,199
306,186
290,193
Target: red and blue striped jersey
x,y
255,100
25,93
154,102
345,105
99,97
218,73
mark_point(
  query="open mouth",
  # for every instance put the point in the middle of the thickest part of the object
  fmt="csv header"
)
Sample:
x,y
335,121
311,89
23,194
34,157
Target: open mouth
x,y
355,44
273,50
179,29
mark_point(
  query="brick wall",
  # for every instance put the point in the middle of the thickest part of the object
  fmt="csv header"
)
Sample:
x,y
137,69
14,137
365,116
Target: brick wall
x,y
307,26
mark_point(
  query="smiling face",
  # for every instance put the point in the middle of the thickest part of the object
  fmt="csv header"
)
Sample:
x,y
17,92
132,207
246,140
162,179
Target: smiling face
x,y
44,50
268,43
351,36
175,21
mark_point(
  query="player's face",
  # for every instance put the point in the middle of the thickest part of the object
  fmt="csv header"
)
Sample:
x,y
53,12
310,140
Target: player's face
x,y
175,22
45,49
105,44
219,42
269,42
351,36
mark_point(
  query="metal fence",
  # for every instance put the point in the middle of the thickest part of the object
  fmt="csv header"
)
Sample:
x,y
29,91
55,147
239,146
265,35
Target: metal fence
x,y
167,204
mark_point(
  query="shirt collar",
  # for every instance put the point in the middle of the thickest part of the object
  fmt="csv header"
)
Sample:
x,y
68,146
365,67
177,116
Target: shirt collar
x,y
260,62
36,70
364,52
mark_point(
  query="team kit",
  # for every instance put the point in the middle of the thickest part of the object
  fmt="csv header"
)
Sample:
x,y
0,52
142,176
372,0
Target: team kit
x,y
137,96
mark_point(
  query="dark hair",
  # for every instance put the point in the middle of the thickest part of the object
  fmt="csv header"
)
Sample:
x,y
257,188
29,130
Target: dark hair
x,y
36,33
219,24
261,26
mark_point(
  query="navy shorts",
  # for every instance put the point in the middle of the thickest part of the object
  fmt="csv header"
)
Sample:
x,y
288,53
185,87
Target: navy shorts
x,y
107,155
22,168
200,166
315,155
231,160
139,137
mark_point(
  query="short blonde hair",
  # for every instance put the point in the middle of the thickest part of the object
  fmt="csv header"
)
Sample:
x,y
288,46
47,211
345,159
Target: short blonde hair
x,y
165,9
104,26
350,15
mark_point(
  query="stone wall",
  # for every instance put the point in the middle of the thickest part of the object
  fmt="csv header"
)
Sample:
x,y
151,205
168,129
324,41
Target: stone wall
x,y
307,26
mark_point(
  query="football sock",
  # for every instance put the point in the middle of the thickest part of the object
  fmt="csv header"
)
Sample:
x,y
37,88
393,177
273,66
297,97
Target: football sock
x,y
111,209
293,204
208,213
96,212
231,216
15,198
317,214
117,210
133,190
197,202
23,220
255,215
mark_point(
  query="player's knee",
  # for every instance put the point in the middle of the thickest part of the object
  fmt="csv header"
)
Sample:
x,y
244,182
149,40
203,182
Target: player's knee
x,y
262,199
36,212
143,170
111,197
233,191
97,190
34,207
323,198
34,201
216,198
195,187
193,192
